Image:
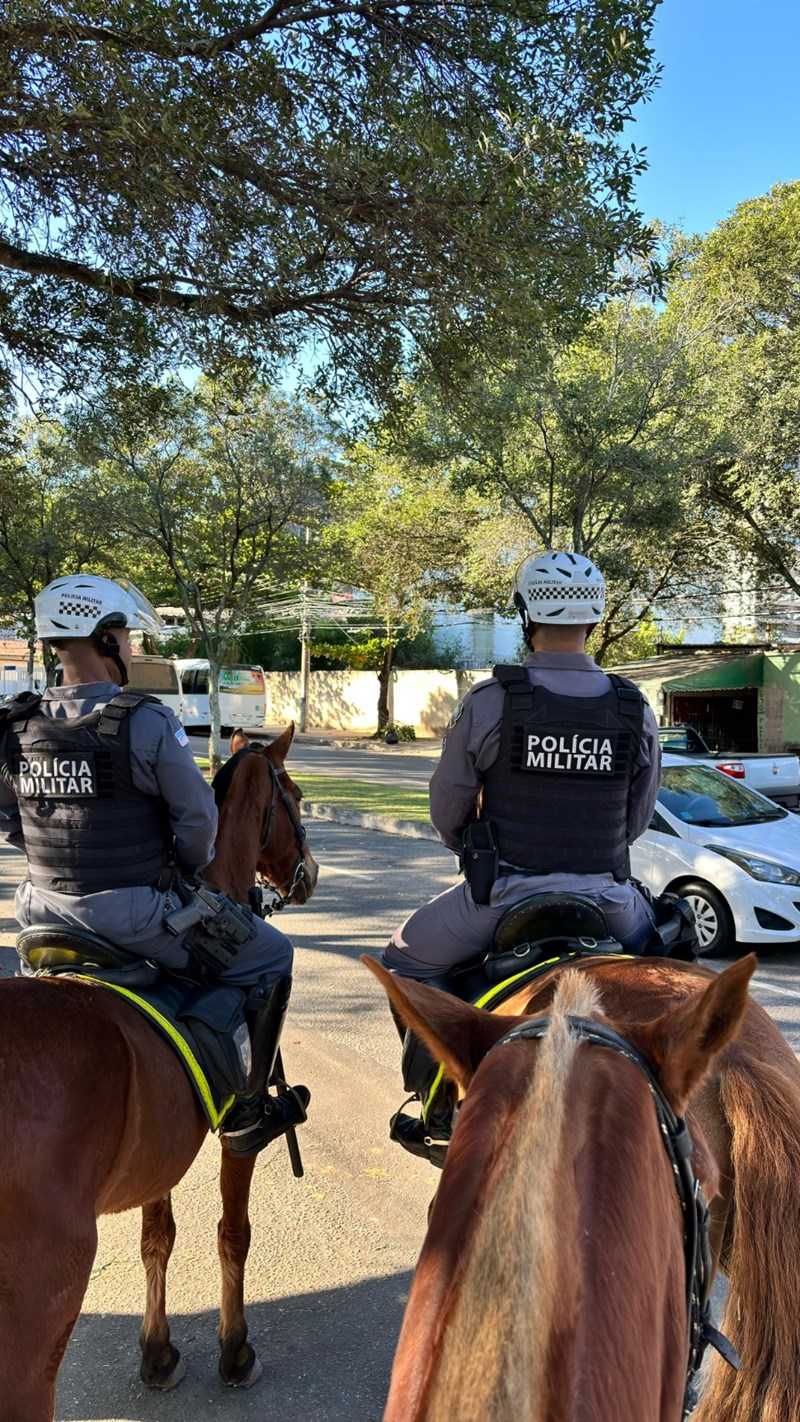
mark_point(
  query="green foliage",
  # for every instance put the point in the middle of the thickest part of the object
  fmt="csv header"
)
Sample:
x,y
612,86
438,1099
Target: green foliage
x,y
403,732
591,445
192,180
638,644
274,651
211,488
54,519
747,272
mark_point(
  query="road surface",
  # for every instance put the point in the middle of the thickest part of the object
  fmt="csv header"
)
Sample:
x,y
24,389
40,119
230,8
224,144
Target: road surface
x,y
332,1255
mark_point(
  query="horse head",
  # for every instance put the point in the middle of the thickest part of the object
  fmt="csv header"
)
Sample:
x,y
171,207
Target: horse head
x,y
260,829
555,1249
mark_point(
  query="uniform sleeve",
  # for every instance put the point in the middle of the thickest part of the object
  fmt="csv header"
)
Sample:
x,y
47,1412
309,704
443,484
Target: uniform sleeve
x,y
163,764
646,779
470,746
10,822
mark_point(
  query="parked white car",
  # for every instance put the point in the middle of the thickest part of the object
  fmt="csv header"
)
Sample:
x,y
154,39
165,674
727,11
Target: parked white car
x,y
734,854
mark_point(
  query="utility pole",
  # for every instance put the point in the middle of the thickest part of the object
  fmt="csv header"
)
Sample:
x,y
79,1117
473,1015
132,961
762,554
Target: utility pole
x,y
305,650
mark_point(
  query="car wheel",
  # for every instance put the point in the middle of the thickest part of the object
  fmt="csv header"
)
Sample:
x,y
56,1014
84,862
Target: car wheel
x,y
713,921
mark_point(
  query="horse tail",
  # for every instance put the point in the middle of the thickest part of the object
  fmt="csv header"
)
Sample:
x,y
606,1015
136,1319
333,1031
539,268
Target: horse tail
x,y
761,1257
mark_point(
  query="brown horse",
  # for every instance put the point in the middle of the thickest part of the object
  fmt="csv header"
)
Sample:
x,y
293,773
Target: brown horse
x,y
97,1116
521,1193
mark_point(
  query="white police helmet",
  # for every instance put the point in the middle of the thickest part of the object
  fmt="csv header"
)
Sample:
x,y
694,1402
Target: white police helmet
x,y
82,604
559,587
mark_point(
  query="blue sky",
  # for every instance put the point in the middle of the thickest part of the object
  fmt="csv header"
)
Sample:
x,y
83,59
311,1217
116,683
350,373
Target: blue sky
x,y
724,124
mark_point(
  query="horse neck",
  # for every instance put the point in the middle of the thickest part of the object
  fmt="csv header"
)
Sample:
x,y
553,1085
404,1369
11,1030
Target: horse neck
x,y
570,1303
241,827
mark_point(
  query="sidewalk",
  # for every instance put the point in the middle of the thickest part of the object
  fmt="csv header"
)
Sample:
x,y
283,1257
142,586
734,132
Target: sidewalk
x,y
354,740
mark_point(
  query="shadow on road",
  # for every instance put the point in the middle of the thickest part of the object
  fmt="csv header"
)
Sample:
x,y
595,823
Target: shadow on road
x,y
326,1355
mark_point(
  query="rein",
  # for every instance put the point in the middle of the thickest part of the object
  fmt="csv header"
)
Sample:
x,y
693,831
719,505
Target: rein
x,y
678,1144
281,900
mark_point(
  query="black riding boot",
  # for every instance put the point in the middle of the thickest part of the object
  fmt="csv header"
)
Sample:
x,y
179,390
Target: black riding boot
x,y
427,1138
253,1124
257,1117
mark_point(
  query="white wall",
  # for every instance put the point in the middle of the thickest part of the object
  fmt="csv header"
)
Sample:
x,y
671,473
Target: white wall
x,y
348,700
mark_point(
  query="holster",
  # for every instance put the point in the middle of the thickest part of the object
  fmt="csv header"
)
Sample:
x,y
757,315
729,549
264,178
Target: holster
x,y
481,857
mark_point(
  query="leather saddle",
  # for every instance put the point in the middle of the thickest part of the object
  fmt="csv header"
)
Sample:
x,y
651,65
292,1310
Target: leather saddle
x,y
54,950
545,926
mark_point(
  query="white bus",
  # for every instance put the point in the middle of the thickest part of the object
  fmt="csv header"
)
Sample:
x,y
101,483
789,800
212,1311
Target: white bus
x,y
242,696
158,677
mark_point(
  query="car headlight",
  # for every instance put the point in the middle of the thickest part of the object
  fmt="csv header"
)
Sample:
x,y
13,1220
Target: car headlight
x,y
764,869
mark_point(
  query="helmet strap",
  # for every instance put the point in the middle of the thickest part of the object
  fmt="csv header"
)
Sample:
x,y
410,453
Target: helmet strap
x,y
108,646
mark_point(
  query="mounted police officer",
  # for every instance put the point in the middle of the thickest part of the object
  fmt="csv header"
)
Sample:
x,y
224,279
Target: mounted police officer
x,y
560,761
101,791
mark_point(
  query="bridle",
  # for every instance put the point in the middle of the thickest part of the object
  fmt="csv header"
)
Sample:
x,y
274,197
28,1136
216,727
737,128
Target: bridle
x,y
263,887
677,1141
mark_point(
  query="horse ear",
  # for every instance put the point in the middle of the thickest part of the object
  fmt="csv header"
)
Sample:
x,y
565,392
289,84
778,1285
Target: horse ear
x,y
455,1034
238,740
279,748
683,1043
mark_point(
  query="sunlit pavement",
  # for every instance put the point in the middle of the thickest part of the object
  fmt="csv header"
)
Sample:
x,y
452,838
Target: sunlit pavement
x,y
331,1255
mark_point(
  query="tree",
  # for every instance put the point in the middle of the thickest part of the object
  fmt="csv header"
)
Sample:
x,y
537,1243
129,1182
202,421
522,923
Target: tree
x,y
191,177
53,521
212,489
593,448
748,273
398,533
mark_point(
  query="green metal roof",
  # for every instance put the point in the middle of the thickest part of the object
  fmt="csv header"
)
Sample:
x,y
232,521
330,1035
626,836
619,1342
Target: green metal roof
x,y
698,671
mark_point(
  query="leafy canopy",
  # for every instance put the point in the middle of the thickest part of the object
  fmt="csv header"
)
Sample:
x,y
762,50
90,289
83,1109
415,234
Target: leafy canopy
x,y
188,176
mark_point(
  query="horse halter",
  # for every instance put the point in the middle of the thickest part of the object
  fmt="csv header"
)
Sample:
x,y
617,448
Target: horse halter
x,y
677,1142
278,789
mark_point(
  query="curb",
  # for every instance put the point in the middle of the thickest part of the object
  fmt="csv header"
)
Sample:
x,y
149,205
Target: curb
x,y
360,819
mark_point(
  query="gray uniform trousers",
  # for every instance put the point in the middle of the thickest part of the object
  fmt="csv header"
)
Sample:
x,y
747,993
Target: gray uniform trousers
x,y
452,928
134,919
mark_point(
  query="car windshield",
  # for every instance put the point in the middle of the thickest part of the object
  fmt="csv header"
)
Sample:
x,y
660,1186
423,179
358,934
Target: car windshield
x,y
701,796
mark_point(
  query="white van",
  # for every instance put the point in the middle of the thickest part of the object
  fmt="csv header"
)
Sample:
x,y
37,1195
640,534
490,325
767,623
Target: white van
x,y
242,696
158,677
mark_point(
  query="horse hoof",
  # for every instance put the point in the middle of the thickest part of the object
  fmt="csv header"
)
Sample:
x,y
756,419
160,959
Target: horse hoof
x,y
166,1384
246,1376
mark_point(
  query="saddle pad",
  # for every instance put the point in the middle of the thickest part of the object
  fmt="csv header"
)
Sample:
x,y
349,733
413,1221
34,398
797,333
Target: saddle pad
x,y
494,997
160,1004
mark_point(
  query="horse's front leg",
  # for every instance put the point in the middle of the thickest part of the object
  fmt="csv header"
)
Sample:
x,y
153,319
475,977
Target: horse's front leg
x,y
162,1365
238,1364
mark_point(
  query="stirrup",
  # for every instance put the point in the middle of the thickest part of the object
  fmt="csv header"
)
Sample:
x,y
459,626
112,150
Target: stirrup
x,y
264,1120
428,1140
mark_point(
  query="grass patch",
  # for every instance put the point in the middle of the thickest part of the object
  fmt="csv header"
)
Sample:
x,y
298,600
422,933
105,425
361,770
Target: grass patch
x,y
400,802
397,801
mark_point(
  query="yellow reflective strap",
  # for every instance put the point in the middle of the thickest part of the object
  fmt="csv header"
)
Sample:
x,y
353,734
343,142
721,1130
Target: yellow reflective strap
x,y
532,972
179,1042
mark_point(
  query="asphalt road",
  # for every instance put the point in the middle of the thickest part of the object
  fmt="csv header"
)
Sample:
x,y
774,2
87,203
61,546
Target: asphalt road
x,y
387,765
332,1255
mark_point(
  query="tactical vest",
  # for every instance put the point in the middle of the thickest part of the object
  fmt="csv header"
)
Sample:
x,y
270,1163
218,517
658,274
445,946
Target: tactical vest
x,y
558,791
85,825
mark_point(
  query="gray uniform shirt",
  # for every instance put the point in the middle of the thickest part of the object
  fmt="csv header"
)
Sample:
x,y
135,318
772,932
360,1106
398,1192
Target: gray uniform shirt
x,y
472,744
162,765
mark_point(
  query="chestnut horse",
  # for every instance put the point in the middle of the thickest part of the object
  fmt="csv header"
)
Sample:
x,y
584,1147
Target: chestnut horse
x,y
496,1324
97,1115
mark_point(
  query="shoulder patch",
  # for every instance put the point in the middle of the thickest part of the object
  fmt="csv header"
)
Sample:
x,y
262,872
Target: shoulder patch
x,y
457,713
181,736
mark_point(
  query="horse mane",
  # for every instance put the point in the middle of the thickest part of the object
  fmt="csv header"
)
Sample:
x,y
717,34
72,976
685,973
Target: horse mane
x,y
221,783
514,1294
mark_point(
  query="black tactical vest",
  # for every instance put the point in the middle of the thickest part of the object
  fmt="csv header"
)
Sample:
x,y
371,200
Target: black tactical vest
x,y
558,791
85,825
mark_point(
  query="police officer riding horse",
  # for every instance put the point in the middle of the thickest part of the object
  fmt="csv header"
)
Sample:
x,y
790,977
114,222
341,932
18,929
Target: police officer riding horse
x,y
99,788
549,771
